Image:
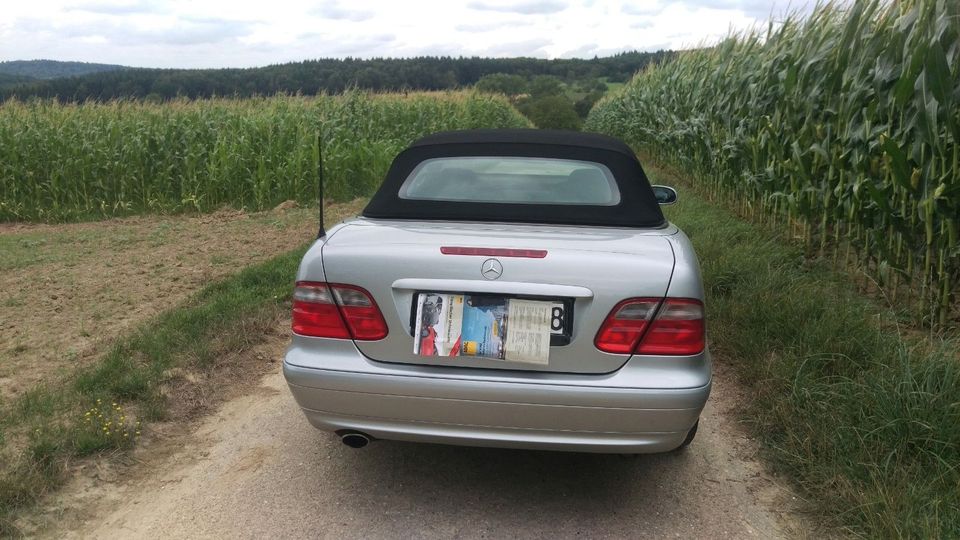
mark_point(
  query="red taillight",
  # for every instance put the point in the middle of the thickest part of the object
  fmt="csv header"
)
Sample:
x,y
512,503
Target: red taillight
x,y
315,313
360,311
494,252
625,324
630,328
336,311
678,329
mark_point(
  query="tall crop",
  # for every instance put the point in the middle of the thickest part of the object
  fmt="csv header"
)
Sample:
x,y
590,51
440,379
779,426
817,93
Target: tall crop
x,y
64,162
845,125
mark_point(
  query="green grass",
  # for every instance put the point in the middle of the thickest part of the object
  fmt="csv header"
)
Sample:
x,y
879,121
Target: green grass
x,y
862,416
22,250
612,87
50,422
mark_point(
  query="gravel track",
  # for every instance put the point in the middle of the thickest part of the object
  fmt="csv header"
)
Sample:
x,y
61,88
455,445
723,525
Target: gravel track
x,y
256,468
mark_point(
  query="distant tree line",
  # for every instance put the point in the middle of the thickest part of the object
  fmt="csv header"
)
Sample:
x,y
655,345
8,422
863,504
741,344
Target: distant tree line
x,y
326,75
52,69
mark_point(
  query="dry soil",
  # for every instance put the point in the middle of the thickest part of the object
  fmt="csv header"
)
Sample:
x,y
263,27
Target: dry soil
x,y
67,289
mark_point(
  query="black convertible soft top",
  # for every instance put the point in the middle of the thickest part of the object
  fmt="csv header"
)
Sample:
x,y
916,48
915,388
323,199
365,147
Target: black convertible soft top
x,y
637,207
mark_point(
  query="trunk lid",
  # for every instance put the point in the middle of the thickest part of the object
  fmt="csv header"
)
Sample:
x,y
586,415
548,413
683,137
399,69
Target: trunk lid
x,y
593,267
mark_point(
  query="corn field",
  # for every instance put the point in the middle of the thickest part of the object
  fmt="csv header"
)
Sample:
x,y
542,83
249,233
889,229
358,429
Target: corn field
x,y
843,127
67,162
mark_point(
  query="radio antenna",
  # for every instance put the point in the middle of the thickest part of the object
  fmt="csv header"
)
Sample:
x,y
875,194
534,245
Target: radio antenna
x,y
322,232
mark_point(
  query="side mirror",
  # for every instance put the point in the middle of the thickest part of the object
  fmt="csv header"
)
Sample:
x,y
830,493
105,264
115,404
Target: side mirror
x,y
665,195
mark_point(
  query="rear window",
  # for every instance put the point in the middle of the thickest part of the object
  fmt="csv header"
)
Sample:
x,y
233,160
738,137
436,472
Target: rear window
x,y
516,180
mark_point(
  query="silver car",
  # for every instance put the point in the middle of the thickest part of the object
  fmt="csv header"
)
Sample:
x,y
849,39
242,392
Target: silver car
x,y
505,288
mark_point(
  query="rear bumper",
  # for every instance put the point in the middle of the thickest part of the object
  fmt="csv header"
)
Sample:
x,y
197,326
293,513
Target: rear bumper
x,y
602,413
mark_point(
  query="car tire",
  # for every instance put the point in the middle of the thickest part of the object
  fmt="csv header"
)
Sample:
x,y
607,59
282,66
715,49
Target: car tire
x,y
690,435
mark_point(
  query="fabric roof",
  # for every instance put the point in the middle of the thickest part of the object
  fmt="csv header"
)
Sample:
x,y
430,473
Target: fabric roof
x,y
637,207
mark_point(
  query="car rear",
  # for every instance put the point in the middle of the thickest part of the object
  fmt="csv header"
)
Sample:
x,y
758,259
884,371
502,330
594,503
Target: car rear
x,y
624,367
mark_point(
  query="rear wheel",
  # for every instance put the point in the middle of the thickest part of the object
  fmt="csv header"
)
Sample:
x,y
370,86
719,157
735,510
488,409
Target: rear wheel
x,y
690,435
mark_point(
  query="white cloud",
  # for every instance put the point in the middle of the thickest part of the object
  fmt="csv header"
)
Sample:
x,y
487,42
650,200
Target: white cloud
x,y
488,26
642,7
242,33
114,7
527,47
335,10
525,7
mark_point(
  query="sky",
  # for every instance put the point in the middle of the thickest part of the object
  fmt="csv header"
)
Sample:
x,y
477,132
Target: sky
x,y
238,33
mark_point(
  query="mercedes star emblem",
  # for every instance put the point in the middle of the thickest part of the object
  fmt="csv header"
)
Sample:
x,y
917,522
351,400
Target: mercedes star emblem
x,y
491,269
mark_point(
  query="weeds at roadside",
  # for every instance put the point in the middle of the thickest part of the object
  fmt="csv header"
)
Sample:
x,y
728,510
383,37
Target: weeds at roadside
x,y
864,417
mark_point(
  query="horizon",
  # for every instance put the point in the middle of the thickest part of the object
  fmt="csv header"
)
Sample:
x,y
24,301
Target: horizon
x,y
318,59
178,34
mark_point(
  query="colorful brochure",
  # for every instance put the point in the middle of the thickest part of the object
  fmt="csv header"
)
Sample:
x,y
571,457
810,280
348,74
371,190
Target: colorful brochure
x,y
483,326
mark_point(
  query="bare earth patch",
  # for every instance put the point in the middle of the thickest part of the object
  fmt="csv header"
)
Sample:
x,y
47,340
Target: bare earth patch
x,y
65,290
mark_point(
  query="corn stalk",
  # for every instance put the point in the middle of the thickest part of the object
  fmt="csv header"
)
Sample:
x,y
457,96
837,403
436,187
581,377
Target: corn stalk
x,y
845,123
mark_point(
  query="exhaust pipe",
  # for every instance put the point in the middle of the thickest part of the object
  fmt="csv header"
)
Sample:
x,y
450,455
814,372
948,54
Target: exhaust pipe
x,y
355,440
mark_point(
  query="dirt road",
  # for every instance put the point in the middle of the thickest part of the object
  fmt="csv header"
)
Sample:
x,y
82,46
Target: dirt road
x,y
257,469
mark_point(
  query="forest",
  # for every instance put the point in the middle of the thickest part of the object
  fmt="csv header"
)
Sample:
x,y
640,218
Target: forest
x,y
325,75
32,70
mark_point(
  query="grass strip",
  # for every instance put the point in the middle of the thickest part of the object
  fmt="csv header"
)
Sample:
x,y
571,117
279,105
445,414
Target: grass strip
x,y
98,409
864,415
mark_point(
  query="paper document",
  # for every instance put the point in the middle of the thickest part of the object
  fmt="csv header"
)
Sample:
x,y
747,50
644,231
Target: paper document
x,y
529,336
439,317
484,326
